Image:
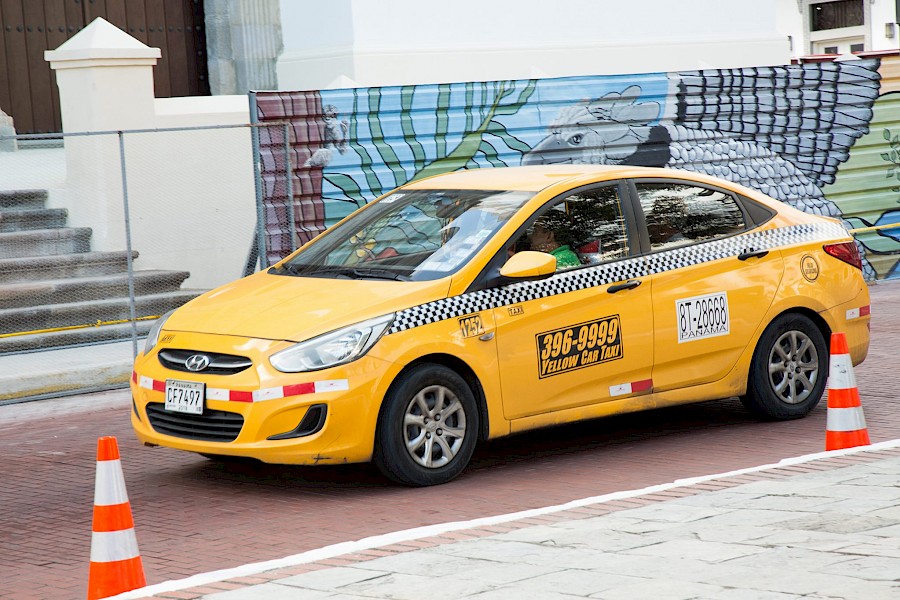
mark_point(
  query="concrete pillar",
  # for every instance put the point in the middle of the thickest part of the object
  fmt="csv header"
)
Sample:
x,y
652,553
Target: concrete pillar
x,y
105,80
243,42
7,129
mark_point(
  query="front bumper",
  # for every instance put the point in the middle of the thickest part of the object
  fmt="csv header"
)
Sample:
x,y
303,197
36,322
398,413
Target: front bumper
x,y
262,413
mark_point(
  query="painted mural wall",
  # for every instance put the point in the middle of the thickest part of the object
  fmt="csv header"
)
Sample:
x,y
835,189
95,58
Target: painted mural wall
x,y
822,137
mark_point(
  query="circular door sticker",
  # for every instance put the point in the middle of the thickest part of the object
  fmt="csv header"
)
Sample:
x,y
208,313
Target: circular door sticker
x,y
810,268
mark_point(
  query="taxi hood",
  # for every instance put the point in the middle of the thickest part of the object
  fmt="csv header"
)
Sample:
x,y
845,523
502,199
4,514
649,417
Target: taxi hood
x,y
279,307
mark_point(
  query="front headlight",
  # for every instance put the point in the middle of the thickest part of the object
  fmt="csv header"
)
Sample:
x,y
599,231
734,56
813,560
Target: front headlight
x,y
331,349
153,336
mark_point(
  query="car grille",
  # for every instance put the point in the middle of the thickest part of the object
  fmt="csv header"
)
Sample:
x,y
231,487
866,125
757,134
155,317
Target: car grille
x,y
211,426
219,364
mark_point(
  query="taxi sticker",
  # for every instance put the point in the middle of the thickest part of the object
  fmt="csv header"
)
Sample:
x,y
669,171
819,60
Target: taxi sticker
x,y
810,268
579,346
471,326
702,317
516,310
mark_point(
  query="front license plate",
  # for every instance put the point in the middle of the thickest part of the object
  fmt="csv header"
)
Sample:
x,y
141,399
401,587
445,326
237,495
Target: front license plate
x,y
185,396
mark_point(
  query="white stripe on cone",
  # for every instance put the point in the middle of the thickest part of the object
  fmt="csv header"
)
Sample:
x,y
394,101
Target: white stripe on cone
x,y
846,419
840,376
110,546
109,484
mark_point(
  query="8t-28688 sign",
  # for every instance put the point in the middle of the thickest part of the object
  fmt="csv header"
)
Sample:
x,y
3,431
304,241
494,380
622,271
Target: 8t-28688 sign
x,y
579,346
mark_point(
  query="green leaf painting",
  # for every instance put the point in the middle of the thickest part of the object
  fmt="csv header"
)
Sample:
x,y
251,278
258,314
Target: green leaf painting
x,y
408,133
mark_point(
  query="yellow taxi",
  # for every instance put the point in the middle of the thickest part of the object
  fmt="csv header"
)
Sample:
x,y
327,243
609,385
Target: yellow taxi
x,y
477,304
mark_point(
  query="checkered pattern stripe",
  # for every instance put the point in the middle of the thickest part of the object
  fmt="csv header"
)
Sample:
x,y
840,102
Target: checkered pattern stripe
x,y
569,281
733,246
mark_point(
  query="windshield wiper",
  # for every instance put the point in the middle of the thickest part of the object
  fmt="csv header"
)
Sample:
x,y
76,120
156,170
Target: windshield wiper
x,y
350,272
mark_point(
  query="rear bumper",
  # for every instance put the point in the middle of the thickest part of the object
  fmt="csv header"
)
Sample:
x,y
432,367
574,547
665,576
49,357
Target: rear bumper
x,y
852,319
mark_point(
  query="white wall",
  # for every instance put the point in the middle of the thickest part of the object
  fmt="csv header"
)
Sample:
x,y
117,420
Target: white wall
x,y
393,42
191,194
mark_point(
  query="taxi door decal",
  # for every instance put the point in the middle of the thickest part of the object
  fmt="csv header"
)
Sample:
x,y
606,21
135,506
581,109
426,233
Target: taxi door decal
x,y
702,317
579,346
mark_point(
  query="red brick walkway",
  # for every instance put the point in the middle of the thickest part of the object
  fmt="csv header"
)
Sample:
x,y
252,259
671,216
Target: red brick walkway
x,y
194,516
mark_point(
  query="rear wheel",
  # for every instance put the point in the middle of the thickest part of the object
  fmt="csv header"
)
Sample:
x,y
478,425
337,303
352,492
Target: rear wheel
x,y
427,428
788,370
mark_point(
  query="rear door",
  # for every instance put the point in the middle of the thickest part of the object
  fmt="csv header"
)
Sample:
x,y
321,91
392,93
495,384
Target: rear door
x,y
710,291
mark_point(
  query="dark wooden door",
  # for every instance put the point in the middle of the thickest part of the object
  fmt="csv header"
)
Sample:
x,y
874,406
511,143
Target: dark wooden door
x,y
29,27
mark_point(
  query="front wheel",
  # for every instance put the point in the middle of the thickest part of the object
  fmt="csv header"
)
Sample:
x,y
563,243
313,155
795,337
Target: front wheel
x,y
788,370
427,428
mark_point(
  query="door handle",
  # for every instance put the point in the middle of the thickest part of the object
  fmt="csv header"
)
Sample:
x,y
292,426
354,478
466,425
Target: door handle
x,y
628,285
751,253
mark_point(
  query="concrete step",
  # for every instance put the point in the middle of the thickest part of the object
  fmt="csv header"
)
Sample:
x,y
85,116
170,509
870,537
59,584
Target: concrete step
x,y
23,199
53,316
45,242
85,264
63,291
30,219
73,337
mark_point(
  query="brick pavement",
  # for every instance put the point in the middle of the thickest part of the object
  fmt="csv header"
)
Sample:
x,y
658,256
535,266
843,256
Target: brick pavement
x,y
195,516
825,528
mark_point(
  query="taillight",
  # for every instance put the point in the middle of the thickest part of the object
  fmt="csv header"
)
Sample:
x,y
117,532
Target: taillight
x,y
845,251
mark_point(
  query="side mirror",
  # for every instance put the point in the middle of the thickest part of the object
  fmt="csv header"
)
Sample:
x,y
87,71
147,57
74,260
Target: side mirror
x,y
529,264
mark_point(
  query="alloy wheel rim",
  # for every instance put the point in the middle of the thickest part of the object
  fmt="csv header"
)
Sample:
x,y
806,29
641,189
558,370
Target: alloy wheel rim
x,y
793,367
434,426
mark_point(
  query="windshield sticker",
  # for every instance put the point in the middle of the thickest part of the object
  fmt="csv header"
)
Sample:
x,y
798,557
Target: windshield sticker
x,y
702,317
471,326
583,345
392,198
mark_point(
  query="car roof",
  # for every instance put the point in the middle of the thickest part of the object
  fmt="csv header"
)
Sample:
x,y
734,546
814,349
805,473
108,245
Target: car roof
x,y
535,178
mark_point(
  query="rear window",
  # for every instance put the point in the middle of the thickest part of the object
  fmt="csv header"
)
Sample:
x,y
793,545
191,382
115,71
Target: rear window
x,y
678,214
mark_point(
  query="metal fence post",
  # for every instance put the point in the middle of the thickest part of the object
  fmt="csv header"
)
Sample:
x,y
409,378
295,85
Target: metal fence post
x,y
128,259
289,184
257,179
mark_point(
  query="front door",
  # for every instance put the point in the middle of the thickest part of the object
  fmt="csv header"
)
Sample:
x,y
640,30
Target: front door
x,y
585,334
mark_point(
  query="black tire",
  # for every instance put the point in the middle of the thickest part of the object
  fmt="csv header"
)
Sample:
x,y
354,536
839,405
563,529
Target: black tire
x,y
413,446
788,371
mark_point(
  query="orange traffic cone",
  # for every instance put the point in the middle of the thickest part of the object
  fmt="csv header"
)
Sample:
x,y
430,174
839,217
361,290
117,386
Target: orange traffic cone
x,y
846,423
115,560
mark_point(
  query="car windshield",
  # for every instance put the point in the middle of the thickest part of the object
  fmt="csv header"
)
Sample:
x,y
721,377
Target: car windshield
x,y
410,235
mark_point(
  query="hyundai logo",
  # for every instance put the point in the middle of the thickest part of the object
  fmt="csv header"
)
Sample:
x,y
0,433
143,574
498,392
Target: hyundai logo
x,y
196,362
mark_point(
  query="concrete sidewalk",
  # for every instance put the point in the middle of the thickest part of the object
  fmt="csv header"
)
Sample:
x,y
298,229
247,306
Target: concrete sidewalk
x,y
821,527
78,370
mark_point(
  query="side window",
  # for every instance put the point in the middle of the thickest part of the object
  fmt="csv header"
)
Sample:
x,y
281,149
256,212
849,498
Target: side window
x,y
584,228
679,214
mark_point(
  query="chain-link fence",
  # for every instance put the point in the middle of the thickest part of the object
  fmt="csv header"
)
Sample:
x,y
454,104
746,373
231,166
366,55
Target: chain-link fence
x,y
101,233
